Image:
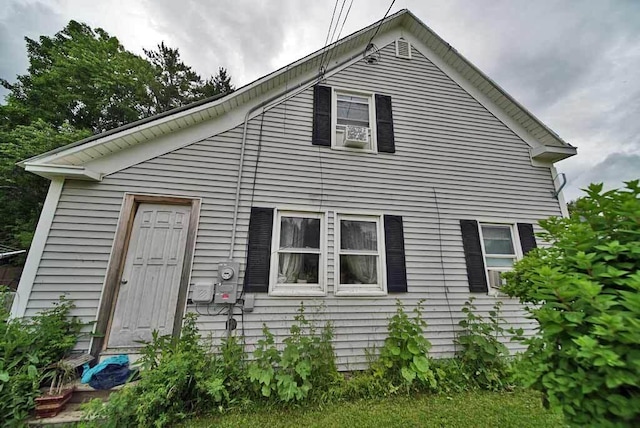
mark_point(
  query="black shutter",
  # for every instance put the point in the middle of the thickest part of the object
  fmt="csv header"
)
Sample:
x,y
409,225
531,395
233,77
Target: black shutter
x,y
321,116
256,275
527,238
394,246
384,124
473,256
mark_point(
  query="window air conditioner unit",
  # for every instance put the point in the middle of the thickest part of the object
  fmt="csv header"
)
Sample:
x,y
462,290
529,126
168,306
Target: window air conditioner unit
x,y
495,279
356,136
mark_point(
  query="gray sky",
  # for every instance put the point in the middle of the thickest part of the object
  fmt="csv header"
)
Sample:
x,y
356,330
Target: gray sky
x,y
573,63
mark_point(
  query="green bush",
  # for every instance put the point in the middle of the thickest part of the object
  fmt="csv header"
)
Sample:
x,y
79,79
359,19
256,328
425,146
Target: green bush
x,y
179,378
483,357
403,357
27,347
452,376
305,366
584,292
366,384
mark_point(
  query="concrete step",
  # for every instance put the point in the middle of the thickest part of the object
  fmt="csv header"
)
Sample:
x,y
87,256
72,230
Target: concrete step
x,y
70,416
84,393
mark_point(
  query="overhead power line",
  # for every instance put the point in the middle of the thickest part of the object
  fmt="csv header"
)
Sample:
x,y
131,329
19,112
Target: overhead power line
x,y
326,40
339,33
378,28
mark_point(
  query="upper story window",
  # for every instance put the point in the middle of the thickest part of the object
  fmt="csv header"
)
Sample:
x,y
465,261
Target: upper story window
x,y
359,250
298,262
354,120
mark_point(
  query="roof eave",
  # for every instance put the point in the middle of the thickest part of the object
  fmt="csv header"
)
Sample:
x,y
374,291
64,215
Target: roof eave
x,y
552,154
52,171
205,104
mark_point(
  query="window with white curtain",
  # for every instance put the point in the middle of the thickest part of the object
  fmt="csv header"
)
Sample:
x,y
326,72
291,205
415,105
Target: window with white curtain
x,y
298,257
359,248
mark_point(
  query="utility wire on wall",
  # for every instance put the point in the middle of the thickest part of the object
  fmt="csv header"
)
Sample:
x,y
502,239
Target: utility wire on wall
x,y
270,103
444,275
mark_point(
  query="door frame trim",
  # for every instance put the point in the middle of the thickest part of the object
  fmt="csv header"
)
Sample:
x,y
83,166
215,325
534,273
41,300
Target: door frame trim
x,y
118,255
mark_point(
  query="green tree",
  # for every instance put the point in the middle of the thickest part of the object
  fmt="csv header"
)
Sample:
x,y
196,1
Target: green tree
x,y
81,77
218,84
22,194
175,83
585,294
81,81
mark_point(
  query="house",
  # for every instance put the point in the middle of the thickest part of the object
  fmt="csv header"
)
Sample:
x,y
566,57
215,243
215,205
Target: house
x,y
385,167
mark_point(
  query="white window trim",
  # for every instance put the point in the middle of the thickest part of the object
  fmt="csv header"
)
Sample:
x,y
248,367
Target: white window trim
x,y
372,119
297,290
359,290
516,249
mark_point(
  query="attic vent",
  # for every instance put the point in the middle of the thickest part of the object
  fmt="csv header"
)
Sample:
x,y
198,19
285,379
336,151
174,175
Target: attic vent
x,y
403,49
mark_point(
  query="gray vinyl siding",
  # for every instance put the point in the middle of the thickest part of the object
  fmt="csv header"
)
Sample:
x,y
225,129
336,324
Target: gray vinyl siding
x,y
454,160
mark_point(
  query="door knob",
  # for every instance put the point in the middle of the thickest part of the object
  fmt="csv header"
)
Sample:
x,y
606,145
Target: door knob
x,y
123,281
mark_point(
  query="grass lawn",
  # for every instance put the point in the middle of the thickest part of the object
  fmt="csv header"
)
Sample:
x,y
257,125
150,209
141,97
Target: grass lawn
x,y
474,409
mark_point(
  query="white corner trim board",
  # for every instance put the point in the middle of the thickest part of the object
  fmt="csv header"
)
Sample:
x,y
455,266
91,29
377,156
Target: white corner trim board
x,y
19,306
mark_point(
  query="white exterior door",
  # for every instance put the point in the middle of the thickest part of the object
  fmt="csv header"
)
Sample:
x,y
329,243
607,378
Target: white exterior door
x,y
150,284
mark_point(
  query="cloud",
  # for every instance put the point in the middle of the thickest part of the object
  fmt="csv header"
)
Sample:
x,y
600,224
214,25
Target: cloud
x,y
253,38
249,38
573,65
17,21
612,171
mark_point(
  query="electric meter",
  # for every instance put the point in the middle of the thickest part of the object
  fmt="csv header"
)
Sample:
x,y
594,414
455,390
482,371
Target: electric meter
x,y
227,287
226,273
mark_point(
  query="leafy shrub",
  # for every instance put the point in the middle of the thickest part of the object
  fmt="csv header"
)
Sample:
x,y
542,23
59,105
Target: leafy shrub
x,y
482,355
179,378
585,291
452,375
27,346
232,368
307,362
366,384
403,358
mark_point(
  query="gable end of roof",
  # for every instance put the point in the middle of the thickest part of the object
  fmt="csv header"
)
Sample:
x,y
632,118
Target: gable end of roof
x,y
77,154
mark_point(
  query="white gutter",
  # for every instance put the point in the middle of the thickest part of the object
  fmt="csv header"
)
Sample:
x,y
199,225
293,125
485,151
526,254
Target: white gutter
x,y
52,171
